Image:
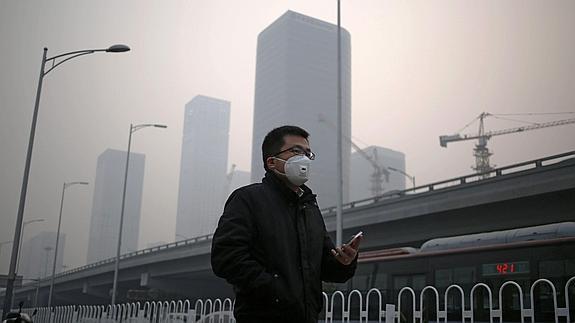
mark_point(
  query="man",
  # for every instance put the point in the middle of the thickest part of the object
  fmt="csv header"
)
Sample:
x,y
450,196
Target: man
x,y
271,243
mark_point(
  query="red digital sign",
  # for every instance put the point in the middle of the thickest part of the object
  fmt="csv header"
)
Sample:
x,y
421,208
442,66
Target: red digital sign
x,y
506,268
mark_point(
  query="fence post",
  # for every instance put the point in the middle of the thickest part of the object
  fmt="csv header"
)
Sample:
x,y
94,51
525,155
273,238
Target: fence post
x,y
389,313
75,314
191,316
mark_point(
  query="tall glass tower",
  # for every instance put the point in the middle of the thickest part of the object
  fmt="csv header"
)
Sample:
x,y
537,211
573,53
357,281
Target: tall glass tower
x,y
296,84
203,166
107,204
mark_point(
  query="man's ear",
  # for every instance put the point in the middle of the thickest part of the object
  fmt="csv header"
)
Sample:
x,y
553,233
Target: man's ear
x,y
271,163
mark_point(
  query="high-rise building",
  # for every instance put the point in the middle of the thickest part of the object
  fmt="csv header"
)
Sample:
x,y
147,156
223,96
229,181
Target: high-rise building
x,y
203,166
37,255
361,185
296,84
107,204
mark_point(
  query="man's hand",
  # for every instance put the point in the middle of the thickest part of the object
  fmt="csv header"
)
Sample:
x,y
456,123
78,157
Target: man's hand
x,y
347,252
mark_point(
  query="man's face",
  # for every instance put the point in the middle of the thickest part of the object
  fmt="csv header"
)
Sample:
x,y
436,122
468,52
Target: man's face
x,y
290,141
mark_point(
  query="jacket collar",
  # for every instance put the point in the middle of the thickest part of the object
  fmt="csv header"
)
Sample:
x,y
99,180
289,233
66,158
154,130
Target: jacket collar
x,y
274,181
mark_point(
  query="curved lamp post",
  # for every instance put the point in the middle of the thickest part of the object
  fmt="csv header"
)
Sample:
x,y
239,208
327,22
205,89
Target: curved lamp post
x,y
55,62
339,205
133,128
64,187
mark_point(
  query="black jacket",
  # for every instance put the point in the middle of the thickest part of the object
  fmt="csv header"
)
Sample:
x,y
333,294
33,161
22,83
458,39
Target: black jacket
x,y
272,246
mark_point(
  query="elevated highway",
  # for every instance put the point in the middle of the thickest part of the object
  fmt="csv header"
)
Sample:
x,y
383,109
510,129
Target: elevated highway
x,y
526,194
531,193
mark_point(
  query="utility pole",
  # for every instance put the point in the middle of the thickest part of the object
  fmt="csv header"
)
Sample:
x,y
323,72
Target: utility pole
x,y
339,206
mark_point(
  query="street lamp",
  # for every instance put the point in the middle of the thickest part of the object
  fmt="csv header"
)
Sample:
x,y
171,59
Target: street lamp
x,y
133,128
18,230
339,205
411,178
64,187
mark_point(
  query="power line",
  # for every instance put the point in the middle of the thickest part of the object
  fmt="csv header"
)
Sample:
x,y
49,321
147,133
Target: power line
x,y
515,120
467,125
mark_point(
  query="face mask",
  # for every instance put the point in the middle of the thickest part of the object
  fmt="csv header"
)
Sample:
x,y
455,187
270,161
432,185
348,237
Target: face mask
x,y
296,169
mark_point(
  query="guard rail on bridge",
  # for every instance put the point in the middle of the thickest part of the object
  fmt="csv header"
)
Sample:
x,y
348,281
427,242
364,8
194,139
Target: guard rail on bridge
x,y
146,251
450,183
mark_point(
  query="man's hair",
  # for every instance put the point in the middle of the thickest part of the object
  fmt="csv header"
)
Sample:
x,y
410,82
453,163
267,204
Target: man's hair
x,y
274,140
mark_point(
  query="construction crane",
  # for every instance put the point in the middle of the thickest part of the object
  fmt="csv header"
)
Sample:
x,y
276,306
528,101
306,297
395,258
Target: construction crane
x,y
379,171
481,152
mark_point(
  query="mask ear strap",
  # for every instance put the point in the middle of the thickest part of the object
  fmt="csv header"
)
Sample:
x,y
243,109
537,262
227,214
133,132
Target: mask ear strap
x,y
275,170
273,157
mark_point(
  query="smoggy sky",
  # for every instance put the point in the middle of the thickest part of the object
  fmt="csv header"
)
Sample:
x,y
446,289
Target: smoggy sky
x,y
420,69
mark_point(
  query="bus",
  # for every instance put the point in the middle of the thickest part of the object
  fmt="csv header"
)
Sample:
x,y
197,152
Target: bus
x,y
522,255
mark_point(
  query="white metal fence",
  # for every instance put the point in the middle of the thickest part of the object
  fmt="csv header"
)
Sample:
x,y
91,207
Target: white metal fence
x,y
356,306
208,311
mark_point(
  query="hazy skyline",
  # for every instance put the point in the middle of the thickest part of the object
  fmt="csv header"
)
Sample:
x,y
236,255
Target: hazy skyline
x,y
420,69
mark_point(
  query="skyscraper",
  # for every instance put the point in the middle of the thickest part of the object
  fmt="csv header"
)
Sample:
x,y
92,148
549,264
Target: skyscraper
x,y
296,84
203,166
362,171
107,204
37,255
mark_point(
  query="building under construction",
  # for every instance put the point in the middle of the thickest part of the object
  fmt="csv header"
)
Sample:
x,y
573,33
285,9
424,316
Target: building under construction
x,y
365,181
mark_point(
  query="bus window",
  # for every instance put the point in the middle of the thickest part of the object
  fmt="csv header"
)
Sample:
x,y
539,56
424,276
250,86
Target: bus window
x,y
551,269
399,282
362,280
464,275
407,306
443,278
380,278
418,282
570,268
511,310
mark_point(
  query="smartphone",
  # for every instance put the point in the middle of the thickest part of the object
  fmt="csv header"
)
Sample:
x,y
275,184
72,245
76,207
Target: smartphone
x,y
357,235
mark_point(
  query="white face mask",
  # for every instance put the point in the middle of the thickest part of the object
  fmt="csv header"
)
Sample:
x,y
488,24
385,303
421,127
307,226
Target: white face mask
x,y
296,169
